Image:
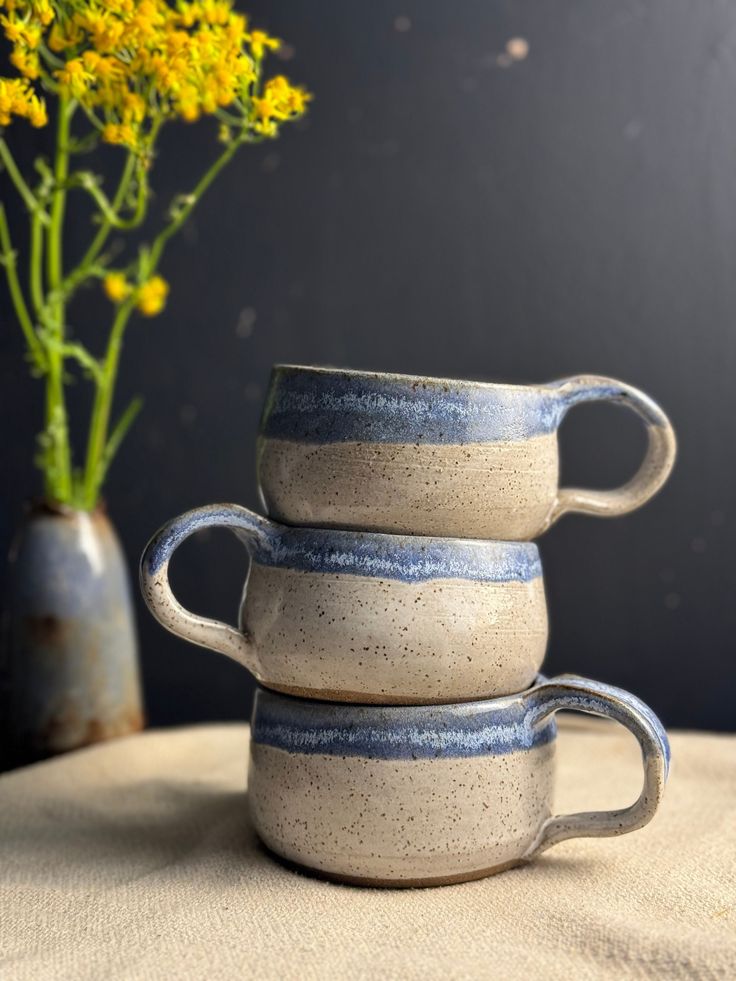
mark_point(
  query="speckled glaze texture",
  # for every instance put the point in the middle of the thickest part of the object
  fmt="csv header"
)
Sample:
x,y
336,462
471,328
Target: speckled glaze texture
x,y
429,795
71,662
352,616
427,456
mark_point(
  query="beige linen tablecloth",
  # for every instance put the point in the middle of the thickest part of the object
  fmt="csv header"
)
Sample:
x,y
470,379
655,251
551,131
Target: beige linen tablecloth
x,y
136,859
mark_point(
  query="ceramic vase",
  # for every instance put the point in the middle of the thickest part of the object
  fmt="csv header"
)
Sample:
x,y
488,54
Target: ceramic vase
x,y
70,648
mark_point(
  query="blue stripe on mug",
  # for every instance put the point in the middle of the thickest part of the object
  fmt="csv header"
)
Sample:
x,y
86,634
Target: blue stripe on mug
x,y
395,732
313,406
404,558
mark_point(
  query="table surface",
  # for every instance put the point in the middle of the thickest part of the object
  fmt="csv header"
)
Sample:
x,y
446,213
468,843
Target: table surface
x,y
136,859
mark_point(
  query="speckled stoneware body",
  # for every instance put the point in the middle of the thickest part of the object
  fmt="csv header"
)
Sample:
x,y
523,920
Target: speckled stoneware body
x,y
428,456
351,616
71,662
430,795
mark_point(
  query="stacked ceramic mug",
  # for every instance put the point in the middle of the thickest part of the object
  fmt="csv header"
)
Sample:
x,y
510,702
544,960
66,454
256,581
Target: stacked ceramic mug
x,y
395,618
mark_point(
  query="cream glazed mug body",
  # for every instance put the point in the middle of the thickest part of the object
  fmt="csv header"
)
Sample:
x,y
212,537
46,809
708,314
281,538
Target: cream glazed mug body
x,y
433,794
431,456
364,617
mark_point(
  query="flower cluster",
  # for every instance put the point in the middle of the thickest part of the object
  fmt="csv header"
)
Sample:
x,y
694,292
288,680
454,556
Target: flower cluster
x,y
280,101
150,297
17,98
118,71
24,25
134,64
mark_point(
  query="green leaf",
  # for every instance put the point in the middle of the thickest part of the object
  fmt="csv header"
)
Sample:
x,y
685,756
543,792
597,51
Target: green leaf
x,y
118,434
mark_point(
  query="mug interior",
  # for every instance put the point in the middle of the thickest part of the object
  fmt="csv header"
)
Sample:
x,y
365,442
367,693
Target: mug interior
x,y
396,377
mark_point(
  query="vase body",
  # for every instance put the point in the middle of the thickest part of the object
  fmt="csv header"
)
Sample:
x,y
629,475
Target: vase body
x,y
71,658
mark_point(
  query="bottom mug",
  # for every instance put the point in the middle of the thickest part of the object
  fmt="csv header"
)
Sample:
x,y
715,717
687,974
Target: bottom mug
x,y
431,794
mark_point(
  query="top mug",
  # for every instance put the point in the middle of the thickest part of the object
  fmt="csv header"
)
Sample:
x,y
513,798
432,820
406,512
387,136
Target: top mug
x,y
431,456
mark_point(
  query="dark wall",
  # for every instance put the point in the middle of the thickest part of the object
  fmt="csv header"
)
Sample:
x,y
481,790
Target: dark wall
x,y
444,212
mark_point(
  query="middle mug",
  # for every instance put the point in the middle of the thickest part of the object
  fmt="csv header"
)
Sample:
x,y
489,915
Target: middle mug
x,y
366,617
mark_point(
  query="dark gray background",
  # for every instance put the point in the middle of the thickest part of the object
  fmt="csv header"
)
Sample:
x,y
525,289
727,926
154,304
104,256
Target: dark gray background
x,y
443,212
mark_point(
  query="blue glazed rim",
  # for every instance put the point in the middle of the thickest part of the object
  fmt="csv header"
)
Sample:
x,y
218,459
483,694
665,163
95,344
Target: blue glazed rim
x,y
375,555
325,405
492,727
402,558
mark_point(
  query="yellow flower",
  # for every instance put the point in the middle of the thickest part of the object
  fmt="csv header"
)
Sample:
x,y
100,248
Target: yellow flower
x,y
148,17
214,11
152,295
116,287
75,77
26,61
32,36
37,115
17,98
298,99
12,28
264,124
44,11
133,107
12,98
104,70
280,101
63,36
120,134
105,30
260,42
287,100
188,104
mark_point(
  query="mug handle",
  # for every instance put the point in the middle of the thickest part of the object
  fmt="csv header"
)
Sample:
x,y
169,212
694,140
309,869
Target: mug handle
x,y
655,467
252,530
571,693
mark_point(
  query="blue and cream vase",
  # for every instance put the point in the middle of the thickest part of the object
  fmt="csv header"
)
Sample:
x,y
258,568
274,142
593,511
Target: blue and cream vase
x,y
70,654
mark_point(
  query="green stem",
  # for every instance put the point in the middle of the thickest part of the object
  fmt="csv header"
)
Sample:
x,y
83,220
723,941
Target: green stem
x,y
122,426
99,451
190,202
17,178
9,261
86,264
102,407
57,468
58,198
111,216
105,228
89,183
35,269
81,355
